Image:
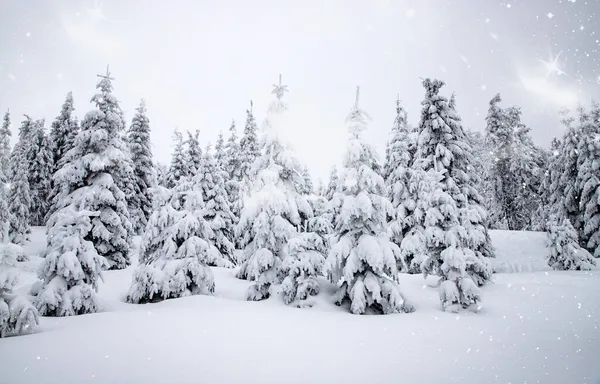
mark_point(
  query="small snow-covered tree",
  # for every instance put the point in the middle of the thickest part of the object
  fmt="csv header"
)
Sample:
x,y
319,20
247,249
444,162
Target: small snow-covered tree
x,y
62,132
220,154
332,184
19,201
40,160
308,188
90,180
179,166
453,220
565,252
162,172
306,255
193,153
143,168
362,258
549,204
275,210
5,135
234,173
588,178
72,266
398,171
175,249
249,149
17,314
17,156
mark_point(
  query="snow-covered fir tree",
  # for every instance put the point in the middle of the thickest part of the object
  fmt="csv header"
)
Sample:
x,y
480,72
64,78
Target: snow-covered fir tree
x,y
332,184
567,190
275,210
18,154
40,161
306,255
178,168
90,178
308,188
193,153
234,172
452,221
162,172
220,155
17,314
550,204
249,149
565,252
210,181
398,175
362,258
19,201
143,168
175,249
5,135
588,178
72,267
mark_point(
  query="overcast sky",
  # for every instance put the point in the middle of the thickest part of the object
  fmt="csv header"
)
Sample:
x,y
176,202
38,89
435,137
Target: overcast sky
x,y
198,63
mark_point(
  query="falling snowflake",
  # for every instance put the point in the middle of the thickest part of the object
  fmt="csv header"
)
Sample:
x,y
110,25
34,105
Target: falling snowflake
x,y
550,15
28,34
508,5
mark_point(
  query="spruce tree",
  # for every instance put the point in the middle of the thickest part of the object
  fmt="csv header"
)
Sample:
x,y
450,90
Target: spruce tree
x,y
220,155
249,149
17,156
234,173
452,223
5,135
550,202
90,178
72,266
565,252
308,188
193,153
275,209
588,179
362,258
39,157
19,201
179,166
333,183
143,168
175,249
62,132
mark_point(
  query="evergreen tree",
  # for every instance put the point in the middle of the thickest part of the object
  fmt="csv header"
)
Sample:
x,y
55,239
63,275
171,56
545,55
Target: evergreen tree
x,y
452,219
275,210
333,184
588,179
40,166
17,314
567,189
17,156
549,201
63,131
5,135
308,188
397,169
306,255
19,201
143,169
565,252
193,153
220,155
234,173
249,149
175,249
162,172
179,165
90,180
72,266
362,258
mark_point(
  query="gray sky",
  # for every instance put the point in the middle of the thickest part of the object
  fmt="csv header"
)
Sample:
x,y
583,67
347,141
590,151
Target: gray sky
x,y
199,62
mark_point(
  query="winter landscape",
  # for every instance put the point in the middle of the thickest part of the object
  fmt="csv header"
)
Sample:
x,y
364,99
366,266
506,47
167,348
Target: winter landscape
x,y
445,253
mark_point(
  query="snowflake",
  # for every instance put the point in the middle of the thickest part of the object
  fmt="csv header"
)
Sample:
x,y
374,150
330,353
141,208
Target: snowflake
x,y
550,15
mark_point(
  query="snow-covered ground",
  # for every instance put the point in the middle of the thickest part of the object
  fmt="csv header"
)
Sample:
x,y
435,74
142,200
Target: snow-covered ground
x,y
536,326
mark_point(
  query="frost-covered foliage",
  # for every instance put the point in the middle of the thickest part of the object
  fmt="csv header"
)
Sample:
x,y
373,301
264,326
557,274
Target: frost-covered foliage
x,y
40,162
565,252
72,266
162,172
588,178
306,255
175,249
210,182
138,140
179,165
333,183
274,212
249,150
90,179
551,203
232,165
220,155
19,201
18,154
517,170
455,238
362,260
397,172
17,314
307,187
193,154
5,135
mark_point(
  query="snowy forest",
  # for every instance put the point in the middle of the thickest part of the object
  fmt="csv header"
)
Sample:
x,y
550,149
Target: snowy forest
x,y
247,204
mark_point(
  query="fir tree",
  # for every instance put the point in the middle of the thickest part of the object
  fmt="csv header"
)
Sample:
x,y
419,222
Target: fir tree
x,y
162,172
308,187
220,155
90,180
588,179
452,220
19,201
274,211
17,156
5,135
193,153
40,166
174,250
17,314
249,149
362,258
143,169
72,267
333,184
549,201
565,252
179,166
234,173
63,131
